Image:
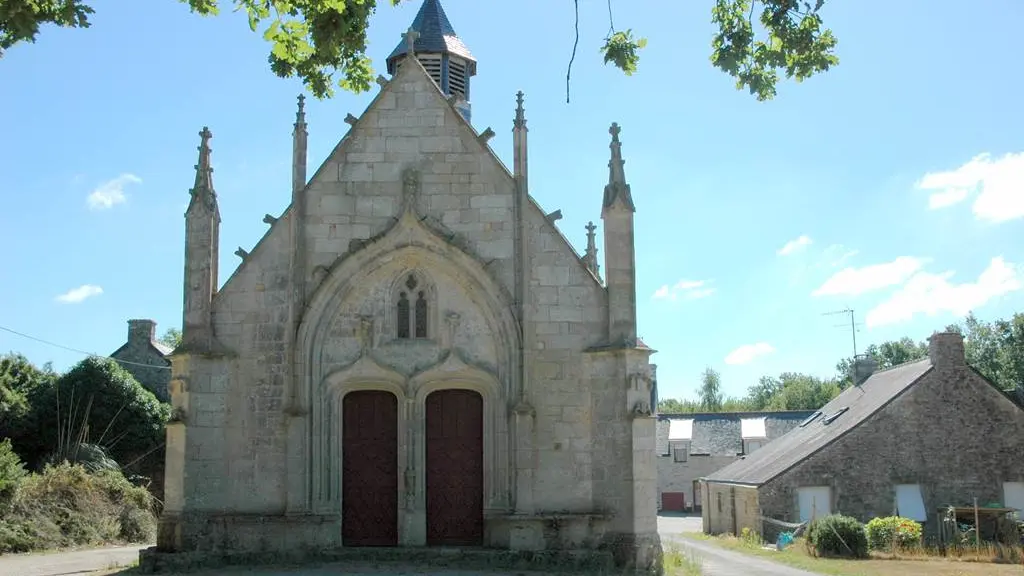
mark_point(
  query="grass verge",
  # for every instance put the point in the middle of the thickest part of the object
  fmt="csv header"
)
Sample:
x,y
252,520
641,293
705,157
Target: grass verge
x,y
796,556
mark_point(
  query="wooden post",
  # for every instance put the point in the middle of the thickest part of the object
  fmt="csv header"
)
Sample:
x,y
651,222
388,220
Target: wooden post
x,y
977,530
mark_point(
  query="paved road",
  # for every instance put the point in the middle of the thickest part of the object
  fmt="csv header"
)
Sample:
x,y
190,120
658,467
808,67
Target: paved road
x,y
717,562
68,563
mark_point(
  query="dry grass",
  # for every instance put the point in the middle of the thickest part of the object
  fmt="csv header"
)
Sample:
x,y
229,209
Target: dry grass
x,y
917,564
67,507
680,562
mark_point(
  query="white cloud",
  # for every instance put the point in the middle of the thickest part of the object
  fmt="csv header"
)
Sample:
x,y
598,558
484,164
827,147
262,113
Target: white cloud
x,y
931,294
76,295
686,289
852,281
748,353
111,192
794,245
998,184
836,255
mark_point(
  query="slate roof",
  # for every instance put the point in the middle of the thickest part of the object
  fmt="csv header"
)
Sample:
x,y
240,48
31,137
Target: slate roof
x,y
720,434
161,347
437,35
860,402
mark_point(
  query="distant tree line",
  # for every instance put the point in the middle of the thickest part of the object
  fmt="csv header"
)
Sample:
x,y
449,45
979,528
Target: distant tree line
x,y
995,349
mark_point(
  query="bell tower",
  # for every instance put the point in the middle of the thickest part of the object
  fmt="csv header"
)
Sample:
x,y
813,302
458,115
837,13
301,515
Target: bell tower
x,y
432,40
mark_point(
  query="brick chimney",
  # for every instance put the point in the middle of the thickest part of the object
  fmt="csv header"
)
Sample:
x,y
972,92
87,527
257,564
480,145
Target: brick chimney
x,y
864,366
946,349
141,331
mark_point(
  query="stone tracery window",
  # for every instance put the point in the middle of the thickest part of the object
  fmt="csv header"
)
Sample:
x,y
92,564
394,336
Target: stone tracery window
x,y
411,318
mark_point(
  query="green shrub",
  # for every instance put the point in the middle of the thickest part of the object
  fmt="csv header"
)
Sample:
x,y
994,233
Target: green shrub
x,y
66,505
882,533
11,473
95,402
837,535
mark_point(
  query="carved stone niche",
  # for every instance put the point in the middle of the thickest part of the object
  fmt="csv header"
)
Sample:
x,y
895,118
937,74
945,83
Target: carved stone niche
x,y
638,395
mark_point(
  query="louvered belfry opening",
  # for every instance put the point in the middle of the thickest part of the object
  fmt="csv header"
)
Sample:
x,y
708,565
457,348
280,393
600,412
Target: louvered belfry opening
x,y
434,65
457,78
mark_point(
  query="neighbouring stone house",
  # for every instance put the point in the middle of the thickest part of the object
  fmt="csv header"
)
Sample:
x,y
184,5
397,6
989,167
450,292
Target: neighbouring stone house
x,y
146,358
912,440
691,446
413,354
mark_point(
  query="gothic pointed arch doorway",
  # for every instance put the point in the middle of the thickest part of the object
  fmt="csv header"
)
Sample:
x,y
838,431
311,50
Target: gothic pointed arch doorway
x,y
369,494
454,468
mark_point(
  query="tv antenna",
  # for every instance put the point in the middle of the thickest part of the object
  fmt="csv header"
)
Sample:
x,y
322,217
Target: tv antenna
x,y
853,325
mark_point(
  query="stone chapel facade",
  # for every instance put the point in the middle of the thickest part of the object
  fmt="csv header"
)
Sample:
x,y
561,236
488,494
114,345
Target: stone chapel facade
x,y
413,354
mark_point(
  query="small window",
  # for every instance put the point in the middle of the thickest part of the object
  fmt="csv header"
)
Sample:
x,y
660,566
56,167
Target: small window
x,y
830,419
810,419
753,446
680,452
412,310
403,315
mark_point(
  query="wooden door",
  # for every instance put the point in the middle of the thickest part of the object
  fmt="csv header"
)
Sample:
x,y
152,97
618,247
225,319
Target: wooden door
x,y
455,468
369,493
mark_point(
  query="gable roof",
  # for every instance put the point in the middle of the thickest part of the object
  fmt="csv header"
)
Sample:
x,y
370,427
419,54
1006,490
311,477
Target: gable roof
x,y
721,433
849,409
160,348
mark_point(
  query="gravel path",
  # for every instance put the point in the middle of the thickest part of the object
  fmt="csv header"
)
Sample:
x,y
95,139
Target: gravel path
x,y
717,562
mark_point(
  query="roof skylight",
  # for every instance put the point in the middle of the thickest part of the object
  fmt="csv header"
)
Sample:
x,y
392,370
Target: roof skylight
x,y
810,419
829,419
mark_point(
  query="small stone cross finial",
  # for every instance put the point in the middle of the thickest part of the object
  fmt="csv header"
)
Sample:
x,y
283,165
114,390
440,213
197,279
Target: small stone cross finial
x,y
410,37
614,131
302,102
205,134
590,229
520,113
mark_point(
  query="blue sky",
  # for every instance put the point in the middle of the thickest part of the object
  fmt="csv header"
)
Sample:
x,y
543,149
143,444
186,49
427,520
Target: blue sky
x,y
898,177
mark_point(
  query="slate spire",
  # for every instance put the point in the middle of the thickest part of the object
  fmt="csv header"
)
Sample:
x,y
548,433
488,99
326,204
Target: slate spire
x,y
432,40
436,35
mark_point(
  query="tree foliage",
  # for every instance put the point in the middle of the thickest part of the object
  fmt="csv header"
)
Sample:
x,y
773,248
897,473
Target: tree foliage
x,y
794,43
95,402
18,378
886,354
317,40
996,349
172,337
710,393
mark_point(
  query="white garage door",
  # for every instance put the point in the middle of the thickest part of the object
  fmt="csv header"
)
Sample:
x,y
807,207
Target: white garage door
x,y
1013,496
815,502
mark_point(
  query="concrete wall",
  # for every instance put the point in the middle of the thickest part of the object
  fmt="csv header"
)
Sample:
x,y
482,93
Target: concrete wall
x,y
951,433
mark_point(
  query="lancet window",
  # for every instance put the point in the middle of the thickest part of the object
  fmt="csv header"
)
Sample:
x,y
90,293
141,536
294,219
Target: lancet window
x,y
412,309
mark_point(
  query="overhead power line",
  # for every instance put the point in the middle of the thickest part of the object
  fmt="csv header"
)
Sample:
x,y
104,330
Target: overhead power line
x,y
77,351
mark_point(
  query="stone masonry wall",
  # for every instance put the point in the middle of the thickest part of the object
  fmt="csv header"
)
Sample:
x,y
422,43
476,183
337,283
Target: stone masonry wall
x,y
238,402
143,361
568,314
951,433
719,506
